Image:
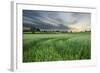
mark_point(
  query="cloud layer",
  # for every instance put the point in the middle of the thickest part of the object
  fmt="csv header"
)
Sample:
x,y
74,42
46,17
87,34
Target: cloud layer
x,y
71,21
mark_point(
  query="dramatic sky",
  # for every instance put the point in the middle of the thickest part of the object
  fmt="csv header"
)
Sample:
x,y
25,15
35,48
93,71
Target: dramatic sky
x,y
72,21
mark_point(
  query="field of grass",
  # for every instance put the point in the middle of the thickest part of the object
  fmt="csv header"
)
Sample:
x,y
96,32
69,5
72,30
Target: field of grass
x,y
56,47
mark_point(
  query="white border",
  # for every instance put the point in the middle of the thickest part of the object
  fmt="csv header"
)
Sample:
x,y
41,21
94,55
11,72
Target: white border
x,y
17,38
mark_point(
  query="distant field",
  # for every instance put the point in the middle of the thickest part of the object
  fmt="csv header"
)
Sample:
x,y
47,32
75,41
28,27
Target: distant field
x,y
54,47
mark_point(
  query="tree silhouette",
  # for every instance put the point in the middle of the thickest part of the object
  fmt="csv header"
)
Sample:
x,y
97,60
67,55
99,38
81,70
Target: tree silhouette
x,y
33,29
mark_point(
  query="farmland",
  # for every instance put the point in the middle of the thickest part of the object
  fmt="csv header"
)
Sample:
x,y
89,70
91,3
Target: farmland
x,y
56,46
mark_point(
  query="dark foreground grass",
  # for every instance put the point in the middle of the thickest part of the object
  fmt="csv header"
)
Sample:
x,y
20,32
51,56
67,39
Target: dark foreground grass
x,y
54,47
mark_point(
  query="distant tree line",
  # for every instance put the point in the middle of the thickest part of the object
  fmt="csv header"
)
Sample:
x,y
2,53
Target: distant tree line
x,y
34,29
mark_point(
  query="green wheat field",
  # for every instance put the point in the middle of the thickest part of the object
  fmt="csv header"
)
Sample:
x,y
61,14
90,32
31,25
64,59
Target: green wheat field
x,y
56,47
